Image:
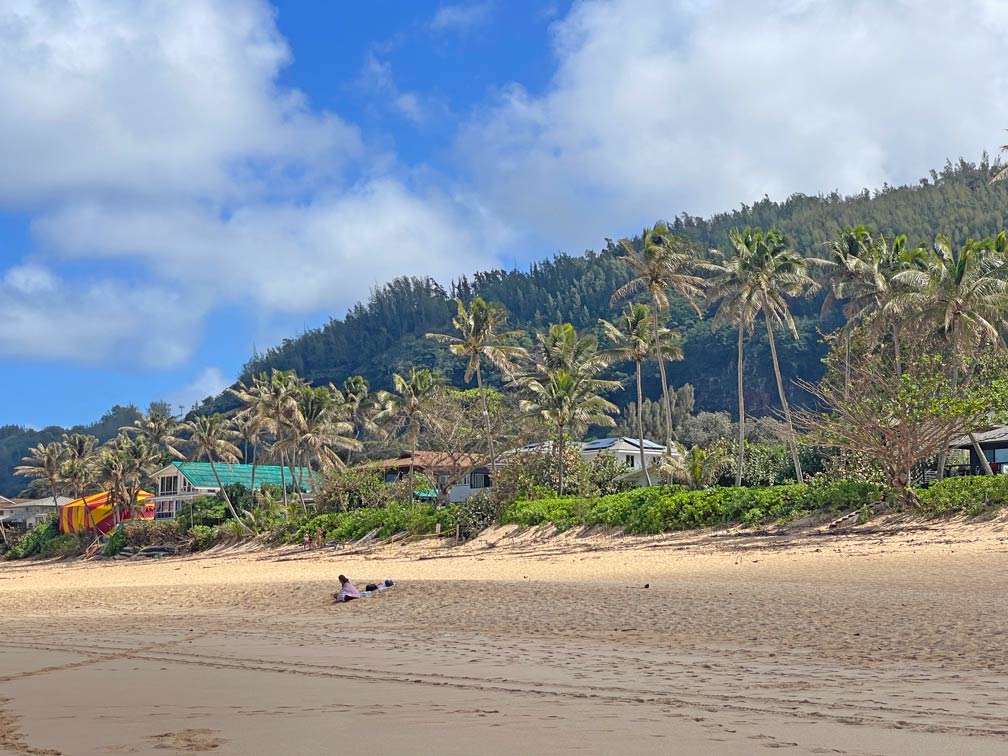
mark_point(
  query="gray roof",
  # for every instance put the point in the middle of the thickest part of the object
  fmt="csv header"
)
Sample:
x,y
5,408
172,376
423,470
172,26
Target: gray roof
x,y
45,502
996,434
608,443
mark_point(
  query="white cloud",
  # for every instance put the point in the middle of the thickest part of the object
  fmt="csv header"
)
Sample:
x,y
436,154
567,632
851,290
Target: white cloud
x,y
209,382
157,136
657,108
376,77
461,17
283,257
100,322
152,99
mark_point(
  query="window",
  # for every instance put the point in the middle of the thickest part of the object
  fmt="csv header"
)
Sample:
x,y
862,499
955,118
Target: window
x,y
631,460
169,485
996,455
480,480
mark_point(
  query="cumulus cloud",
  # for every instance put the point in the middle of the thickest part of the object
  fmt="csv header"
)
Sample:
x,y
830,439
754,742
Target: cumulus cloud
x,y
97,323
283,257
657,108
158,137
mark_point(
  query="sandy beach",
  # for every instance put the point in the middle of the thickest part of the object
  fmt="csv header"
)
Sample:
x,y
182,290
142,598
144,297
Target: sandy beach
x,y
890,640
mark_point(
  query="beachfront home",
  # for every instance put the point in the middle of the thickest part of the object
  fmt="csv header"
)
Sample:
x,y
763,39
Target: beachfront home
x,y
24,514
994,444
461,475
179,482
625,449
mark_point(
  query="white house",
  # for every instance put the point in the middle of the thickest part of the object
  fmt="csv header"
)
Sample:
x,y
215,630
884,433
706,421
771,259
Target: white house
x,y
24,514
627,450
179,482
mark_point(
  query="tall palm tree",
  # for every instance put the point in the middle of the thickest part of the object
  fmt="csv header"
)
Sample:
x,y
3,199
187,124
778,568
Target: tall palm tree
x,y
407,407
758,275
110,469
159,428
44,461
361,405
565,400
661,263
78,466
320,429
125,464
480,336
964,294
272,399
632,339
212,439
249,427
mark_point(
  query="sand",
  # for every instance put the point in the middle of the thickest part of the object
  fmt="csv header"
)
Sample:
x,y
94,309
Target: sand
x,y
886,640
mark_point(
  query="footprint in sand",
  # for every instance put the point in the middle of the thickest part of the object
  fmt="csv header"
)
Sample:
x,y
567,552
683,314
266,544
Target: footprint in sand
x,y
191,741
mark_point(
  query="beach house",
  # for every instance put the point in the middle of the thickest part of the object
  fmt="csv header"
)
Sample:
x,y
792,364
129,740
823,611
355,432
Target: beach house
x,y
24,514
993,442
459,475
623,448
180,482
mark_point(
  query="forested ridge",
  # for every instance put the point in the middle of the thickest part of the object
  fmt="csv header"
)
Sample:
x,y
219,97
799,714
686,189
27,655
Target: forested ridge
x,y
386,333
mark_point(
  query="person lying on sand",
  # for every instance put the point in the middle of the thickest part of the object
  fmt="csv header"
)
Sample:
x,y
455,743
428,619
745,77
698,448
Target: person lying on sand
x,y
347,591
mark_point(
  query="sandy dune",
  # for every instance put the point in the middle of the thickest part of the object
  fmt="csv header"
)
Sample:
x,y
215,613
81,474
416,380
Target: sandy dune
x,y
886,641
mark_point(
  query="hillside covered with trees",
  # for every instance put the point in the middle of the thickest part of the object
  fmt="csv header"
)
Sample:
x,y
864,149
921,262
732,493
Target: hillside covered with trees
x,y
386,334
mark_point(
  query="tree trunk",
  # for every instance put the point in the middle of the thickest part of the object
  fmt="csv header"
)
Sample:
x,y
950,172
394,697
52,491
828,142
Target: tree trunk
x,y
984,464
664,380
227,499
846,383
283,483
412,464
486,418
792,446
560,460
640,425
741,411
252,482
896,350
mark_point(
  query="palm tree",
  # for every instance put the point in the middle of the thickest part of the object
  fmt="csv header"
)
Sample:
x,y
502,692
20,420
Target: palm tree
x,y
697,468
110,469
964,294
212,439
662,262
480,337
361,405
273,400
758,275
564,400
406,406
78,466
159,428
44,461
320,429
632,340
124,465
249,428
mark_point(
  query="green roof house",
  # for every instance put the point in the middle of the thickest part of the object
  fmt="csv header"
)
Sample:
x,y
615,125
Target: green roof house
x,y
181,481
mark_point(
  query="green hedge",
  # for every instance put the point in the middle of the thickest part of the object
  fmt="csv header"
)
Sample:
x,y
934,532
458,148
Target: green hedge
x,y
34,541
663,508
968,495
394,518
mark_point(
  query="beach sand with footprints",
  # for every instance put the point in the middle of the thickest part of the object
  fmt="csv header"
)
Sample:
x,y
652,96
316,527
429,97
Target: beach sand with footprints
x,y
891,640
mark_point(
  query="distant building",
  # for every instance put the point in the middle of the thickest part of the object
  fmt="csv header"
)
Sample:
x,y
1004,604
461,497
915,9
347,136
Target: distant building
x,y
181,481
24,514
623,448
461,475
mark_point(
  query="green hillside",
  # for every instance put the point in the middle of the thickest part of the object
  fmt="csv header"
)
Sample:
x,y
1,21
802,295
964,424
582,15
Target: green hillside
x,y
385,333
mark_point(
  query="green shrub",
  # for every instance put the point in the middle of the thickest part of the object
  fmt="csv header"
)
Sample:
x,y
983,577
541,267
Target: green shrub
x,y
665,508
968,495
116,542
476,513
34,541
63,545
206,510
395,518
203,537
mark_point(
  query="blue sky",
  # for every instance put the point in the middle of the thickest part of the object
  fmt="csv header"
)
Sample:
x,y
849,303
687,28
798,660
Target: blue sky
x,y
185,182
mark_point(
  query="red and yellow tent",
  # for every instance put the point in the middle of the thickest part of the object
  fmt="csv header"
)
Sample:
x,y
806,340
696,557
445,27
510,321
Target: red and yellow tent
x,y
95,512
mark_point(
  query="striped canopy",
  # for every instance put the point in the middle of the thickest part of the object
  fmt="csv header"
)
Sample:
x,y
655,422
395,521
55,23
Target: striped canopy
x,y
94,512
